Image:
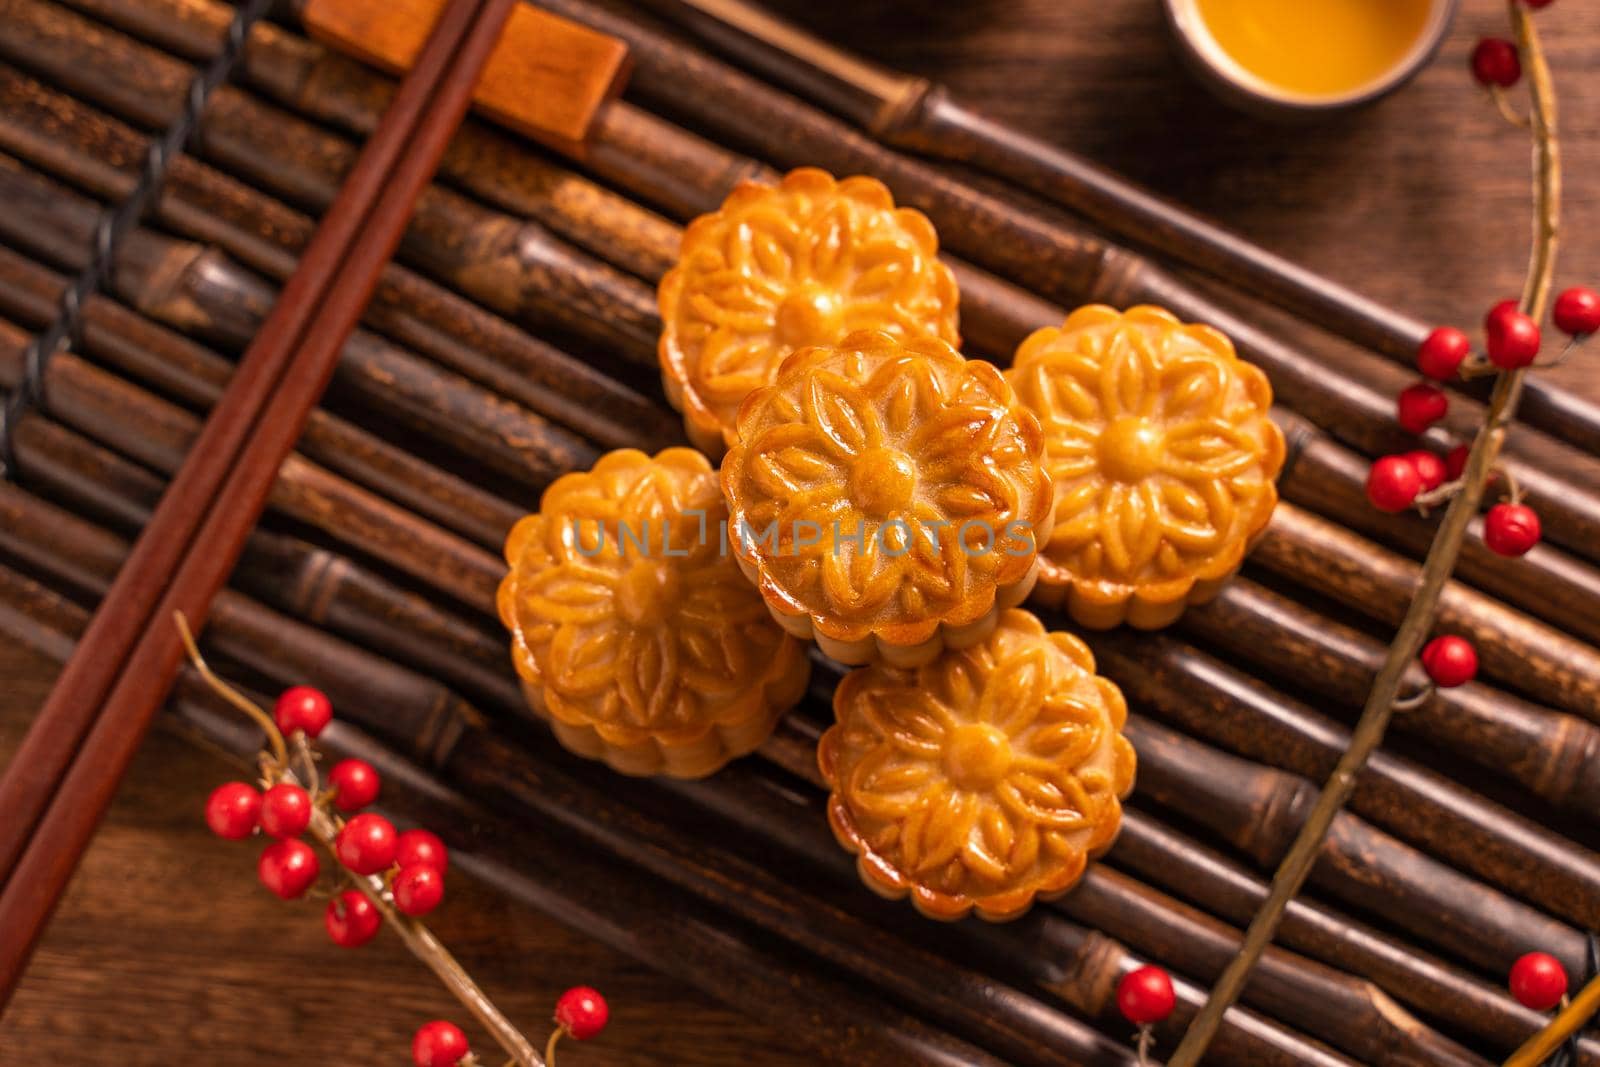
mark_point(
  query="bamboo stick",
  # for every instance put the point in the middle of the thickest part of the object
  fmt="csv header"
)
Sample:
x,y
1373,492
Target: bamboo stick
x,y
1554,756
655,160
59,133
201,291
1546,663
178,367
309,582
1432,987
434,724
1479,924
1503,855
1221,703
921,116
596,896
84,555
449,233
1328,479
802,751
1322,471
297,578
765,807
582,212
105,702
1361,411
158,434
445,738
1349,1014
1354,400
1257,809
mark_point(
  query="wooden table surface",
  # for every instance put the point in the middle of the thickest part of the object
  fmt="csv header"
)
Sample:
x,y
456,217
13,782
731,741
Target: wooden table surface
x,y
166,950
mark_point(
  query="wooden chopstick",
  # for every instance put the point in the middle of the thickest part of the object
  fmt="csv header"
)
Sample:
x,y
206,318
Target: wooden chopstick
x,y
47,750
36,768
284,373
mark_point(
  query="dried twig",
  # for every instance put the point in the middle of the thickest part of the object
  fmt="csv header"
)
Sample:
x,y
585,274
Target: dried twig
x,y
325,827
1441,561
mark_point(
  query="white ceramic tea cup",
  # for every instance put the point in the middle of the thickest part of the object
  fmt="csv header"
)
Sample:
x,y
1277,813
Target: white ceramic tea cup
x,y
1247,90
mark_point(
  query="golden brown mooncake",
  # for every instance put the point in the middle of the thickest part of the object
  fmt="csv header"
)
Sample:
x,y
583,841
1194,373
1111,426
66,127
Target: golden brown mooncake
x,y
982,780
632,629
777,268
887,498
1164,460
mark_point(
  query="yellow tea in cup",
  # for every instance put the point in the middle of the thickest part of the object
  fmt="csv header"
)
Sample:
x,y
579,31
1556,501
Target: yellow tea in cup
x,y
1318,49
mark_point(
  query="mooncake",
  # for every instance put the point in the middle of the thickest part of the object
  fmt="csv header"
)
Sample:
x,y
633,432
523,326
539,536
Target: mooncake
x,y
1163,456
887,498
778,268
983,780
632,628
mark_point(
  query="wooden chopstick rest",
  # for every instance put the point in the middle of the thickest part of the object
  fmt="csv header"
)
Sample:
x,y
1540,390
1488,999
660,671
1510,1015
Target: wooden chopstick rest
x,y
547,78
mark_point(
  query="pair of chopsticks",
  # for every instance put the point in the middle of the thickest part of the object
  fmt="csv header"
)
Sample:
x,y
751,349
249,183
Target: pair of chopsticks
x,y
63,776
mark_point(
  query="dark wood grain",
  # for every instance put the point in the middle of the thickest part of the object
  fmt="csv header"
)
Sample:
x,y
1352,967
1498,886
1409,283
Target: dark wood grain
x,y
1420,202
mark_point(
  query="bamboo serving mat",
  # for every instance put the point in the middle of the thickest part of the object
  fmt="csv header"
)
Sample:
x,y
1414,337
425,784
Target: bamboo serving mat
x,y
514,339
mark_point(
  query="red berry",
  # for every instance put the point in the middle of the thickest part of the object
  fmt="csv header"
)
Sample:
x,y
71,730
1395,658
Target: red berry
x,y
419,848
1511,338
1511,529
1538,981
438,1044
1430,468
1441,352
302,708
285,810
288,867
355,784
1497,314
1393,483
1577,311
1538,3
1450,661
231,810
1420,406
1495,62
352,919
366,844
1145,995
582,1012
1455,461
418,890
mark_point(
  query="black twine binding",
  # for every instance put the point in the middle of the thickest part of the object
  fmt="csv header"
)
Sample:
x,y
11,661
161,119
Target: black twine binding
x,y
65,331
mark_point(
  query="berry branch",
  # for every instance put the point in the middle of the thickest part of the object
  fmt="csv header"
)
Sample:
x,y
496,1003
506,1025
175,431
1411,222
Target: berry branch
x,y
1509,344
392,879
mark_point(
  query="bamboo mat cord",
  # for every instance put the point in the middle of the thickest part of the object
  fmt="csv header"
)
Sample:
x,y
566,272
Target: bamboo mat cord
x,y
65,331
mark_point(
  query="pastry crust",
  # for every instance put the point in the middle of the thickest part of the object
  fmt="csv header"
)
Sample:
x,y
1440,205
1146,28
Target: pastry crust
x,y
632,629
887,498
1163,456
781,267
982,780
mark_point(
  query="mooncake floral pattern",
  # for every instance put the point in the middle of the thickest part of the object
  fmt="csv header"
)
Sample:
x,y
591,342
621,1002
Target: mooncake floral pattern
x,y
899,490
781,267
1163,456
633,629
983,779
